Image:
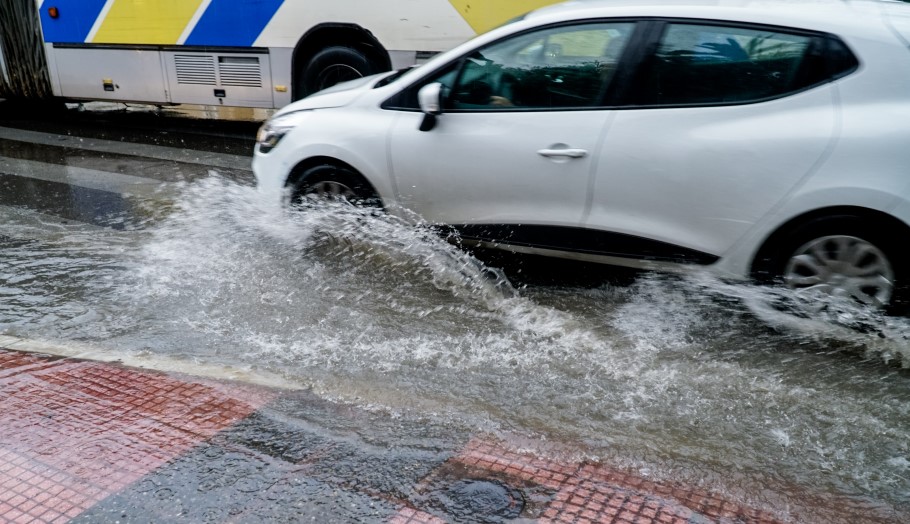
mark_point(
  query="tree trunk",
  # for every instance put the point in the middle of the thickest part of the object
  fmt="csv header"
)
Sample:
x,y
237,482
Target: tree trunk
x,y
25,71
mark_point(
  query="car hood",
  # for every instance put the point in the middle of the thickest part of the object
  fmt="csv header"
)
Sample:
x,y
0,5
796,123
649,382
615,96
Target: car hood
x,y
336,96
898,19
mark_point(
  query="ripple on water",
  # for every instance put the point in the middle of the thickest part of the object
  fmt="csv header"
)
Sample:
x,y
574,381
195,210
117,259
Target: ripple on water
x,y
690,377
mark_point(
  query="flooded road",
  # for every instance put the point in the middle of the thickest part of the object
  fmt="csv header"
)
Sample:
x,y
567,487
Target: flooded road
x,y
161,245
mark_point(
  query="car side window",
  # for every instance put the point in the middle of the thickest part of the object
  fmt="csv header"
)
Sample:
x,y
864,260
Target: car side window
x,y
556,68
708,64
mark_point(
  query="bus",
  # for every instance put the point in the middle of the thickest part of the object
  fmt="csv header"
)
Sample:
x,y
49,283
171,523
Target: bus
x,y
239,53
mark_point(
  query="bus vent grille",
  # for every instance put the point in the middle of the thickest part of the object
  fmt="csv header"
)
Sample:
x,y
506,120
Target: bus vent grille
x,y
195,69
243,71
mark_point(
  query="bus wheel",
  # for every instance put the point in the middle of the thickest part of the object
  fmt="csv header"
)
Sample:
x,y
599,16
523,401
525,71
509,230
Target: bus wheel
x,y
334,65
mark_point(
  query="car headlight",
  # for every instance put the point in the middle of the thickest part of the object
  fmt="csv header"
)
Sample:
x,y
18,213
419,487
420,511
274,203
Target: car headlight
x,y
274,130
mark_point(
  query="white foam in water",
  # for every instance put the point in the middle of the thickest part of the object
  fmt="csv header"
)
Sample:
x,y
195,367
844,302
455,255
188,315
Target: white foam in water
x,y
692,378
817,317
335,286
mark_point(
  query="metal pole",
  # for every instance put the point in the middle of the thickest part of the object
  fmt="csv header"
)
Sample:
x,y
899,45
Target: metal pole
x,y
25,72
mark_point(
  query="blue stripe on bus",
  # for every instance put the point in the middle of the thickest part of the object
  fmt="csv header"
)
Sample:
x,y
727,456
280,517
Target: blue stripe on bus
x,y
75,20
233,22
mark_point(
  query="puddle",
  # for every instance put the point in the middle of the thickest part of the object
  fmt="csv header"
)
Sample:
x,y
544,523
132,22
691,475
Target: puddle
x,y
478,500
690,379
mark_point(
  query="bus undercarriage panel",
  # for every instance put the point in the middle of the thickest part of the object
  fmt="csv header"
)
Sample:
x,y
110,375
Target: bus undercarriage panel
x,y
230,79
110,74
163,76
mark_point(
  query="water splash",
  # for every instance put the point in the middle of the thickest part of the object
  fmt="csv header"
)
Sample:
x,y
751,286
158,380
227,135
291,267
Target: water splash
x,y
688,377
816,318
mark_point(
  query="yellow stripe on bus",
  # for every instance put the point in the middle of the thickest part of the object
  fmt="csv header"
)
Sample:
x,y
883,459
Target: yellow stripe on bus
x,y
484,15
146,21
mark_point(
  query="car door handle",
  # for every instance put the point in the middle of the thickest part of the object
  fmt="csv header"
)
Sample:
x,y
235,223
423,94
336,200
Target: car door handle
x,y
563,153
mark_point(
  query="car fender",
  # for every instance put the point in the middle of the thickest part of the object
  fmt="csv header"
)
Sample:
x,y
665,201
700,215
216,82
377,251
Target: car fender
x,y
355,137
738,261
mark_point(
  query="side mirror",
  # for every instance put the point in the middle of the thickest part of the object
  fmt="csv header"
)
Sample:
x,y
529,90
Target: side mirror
x,y
430,99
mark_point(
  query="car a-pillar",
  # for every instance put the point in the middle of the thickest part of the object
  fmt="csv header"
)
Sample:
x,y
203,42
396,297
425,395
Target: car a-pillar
x,y
332,53
849,250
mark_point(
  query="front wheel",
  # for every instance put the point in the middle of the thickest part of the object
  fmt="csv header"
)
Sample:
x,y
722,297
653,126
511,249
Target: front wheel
x,y
333,182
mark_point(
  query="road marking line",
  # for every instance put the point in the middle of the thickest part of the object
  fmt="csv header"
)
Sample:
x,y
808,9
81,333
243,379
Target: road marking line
x,y
173,154
44,221
83,177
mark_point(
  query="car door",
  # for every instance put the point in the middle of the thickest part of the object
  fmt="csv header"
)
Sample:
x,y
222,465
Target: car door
x,y
514,149
723,121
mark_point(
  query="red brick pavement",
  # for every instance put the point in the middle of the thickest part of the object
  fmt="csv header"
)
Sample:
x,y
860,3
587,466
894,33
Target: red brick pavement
x,y
73,432
591,493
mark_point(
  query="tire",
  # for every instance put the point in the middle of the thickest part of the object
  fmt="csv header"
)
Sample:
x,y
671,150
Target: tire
x,y
333,182
333,65
844,255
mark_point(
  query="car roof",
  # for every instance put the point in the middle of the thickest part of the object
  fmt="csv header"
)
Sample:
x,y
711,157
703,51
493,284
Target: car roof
x,y
823,15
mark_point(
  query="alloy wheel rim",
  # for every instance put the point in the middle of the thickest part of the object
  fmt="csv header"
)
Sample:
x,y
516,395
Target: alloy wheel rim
x,y
332,191
841,266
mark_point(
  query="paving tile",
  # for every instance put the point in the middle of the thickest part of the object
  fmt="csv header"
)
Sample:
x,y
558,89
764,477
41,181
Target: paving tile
x,y
90,442
589,492
75,432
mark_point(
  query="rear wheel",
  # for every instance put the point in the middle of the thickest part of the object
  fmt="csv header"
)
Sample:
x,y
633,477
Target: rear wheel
x,y
842,256
843,266
334,65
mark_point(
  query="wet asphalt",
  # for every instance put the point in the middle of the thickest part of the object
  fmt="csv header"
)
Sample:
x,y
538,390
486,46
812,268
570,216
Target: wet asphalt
x,y
303,456
298,459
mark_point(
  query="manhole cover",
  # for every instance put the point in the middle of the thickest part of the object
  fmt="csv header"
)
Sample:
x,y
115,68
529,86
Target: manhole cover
x,y
471,500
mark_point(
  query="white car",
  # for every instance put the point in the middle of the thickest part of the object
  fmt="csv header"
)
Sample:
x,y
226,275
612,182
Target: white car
x,y
767,140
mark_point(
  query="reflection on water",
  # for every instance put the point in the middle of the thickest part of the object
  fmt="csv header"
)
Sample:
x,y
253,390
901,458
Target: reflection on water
x,y
203,112
684,378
